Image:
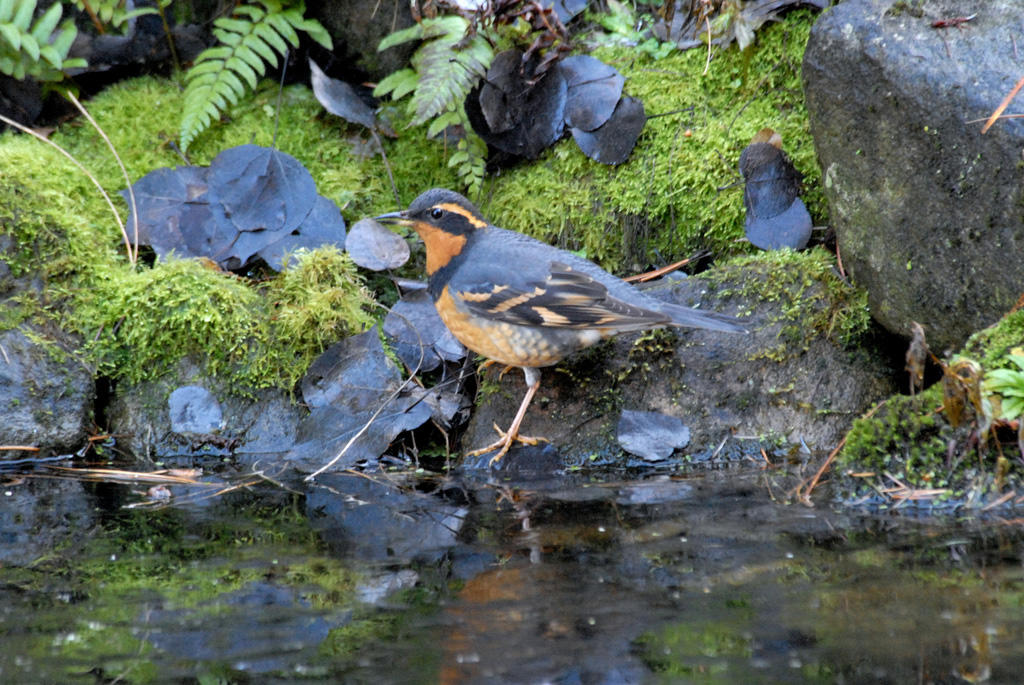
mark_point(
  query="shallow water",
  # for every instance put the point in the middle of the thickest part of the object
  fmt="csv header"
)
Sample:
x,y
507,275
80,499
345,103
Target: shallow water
x,y
587,578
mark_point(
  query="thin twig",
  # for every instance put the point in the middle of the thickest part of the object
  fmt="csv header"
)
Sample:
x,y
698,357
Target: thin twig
x,y
387,166
110,203
1003,105
133,255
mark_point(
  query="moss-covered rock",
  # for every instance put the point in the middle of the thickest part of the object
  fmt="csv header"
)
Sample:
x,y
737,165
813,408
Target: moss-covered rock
x,y
949,446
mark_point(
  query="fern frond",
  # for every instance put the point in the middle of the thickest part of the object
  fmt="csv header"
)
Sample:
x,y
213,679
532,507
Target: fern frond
x,y
248,40
447,74
35,49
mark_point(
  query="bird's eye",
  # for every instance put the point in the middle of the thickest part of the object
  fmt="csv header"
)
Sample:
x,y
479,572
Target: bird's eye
x,y
436,213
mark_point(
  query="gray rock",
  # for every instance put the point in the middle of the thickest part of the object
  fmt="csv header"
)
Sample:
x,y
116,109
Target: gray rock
x,y
194,409
651,435
927,210
45,401
178,414
357,28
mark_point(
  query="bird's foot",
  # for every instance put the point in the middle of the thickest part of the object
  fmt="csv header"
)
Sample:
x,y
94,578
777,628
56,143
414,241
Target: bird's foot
x,y
504,443
501,374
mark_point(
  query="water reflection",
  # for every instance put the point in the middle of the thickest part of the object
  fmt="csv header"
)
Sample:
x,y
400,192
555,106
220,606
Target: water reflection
x,y
573,579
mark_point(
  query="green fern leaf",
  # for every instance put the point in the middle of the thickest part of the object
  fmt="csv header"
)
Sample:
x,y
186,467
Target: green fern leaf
x,y
63,40
240,66
34,49
414,32
255,50
11,36
451,27
248,40
444,78
47,23
30,46
399,84
284,28
23,16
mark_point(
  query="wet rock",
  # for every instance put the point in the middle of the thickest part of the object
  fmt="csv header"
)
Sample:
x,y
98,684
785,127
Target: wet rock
x,y
926,209
41,515
786,379
168,417
194,409
46,395
361,518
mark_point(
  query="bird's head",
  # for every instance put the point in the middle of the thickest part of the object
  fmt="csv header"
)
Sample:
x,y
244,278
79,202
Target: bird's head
x,y
443,219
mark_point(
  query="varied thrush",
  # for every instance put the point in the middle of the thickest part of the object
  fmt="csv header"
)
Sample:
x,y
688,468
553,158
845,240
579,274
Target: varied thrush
x,y
523,303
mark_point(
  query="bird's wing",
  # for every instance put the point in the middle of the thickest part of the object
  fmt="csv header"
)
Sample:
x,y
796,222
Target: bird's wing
x,y
566,298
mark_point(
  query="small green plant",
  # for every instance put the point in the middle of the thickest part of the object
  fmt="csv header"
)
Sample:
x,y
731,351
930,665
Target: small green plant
x,y
1009,385
249,39
621,24
115,13
444,69
37,49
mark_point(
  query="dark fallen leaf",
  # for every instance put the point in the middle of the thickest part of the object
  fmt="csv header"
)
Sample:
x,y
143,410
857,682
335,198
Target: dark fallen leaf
x,y
372,246
175,213
612,142
566,9
417,334
262,189
776,216
323,434
530,116
355,371
502,86
594,89
340,99
324,225
345,387
651,435
250,201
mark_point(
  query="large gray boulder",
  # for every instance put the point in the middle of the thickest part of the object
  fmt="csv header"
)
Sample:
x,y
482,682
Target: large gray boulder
x,y
928,212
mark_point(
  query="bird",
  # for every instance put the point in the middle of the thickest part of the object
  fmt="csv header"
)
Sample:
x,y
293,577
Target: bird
x,y
523,303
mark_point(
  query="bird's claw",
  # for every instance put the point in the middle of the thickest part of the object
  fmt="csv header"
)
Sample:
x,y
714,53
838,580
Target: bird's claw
x,y
504,444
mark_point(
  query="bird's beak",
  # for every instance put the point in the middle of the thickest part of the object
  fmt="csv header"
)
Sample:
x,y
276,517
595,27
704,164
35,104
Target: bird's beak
x,y
393,219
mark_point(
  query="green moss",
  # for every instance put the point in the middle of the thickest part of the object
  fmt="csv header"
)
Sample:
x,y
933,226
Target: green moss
x,y
142,322
813,300
316,302
905,439
991,345
665,202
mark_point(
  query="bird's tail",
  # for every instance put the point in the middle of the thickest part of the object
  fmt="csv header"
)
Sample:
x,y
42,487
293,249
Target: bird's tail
x,y
695,318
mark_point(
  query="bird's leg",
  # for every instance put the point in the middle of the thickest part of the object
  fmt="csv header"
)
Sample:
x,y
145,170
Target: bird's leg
x,y
512,434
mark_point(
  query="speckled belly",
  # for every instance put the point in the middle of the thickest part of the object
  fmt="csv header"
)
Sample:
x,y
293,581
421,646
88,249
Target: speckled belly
x,y
511,344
